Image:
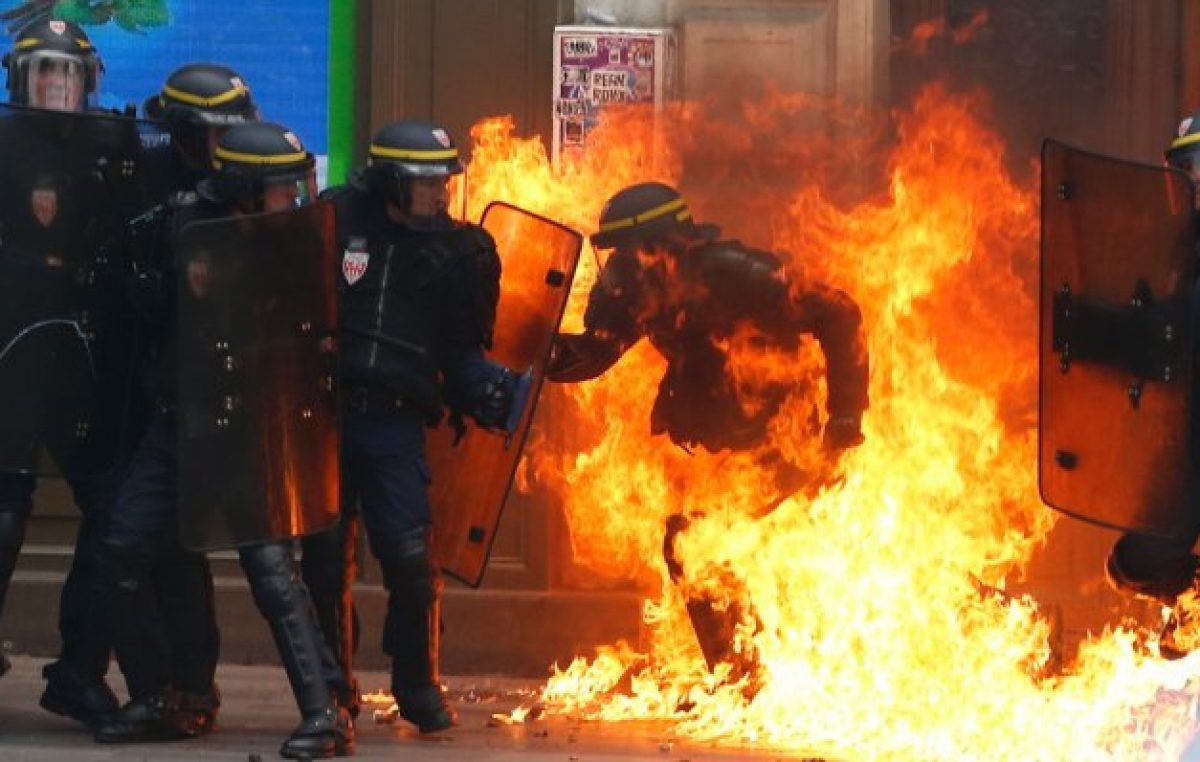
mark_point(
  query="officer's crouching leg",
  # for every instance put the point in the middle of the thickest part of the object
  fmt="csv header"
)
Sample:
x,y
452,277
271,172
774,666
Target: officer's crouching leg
x,y
325,729
412,630
329,565
183,590
122,590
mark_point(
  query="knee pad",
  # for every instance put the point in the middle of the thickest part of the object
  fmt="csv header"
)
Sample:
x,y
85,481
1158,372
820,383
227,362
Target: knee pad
x,y
272,577
408,571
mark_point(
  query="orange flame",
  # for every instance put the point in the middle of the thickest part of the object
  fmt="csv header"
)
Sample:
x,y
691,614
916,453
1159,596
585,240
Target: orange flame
x,y
871,602
925,32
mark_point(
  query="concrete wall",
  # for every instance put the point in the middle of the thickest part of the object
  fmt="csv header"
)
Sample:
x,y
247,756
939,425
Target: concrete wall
x,y
639,13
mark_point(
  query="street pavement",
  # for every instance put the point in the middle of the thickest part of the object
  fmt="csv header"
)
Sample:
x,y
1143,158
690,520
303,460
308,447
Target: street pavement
x,y
257,713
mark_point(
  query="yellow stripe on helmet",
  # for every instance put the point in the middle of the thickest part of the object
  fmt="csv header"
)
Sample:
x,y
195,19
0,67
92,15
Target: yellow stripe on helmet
x,y
675,205
384,152
1185,140
30,42
221,154
199,100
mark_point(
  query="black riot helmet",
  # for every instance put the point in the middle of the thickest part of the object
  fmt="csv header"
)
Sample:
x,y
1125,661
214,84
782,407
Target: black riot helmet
x,y
260,166
53,65
403,151
646,212
1184,151
200,100
203,93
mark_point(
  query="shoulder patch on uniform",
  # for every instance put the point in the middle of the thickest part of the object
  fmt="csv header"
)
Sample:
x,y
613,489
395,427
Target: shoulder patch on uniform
x,y
355,259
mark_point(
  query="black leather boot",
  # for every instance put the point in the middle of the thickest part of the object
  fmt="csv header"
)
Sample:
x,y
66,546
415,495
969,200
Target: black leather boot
x,y
86,700
165,716
202,707
325,730
412,635
329,733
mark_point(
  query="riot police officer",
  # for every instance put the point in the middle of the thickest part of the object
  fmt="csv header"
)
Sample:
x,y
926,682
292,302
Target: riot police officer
x,y
199,102
259,167
1163,568
670,280
54,66
418,300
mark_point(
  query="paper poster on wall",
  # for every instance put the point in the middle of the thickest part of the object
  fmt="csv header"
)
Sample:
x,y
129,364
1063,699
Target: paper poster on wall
x,y
280,49
597,67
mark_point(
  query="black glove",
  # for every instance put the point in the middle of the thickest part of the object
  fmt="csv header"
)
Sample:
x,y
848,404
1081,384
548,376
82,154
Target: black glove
x,y
494,400
576,357
562,358
843,432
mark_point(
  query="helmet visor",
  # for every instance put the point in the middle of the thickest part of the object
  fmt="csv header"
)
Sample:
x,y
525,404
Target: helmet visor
x,y
57,81
281,194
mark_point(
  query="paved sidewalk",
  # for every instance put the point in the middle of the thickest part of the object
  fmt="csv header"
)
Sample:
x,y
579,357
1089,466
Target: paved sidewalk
x,y
258,713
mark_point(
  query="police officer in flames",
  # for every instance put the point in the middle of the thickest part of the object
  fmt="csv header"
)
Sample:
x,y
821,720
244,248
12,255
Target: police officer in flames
x,y
418,302
670,280
259,167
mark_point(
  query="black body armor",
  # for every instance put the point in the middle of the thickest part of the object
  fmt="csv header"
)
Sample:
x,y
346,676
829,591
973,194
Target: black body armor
x,y
411,298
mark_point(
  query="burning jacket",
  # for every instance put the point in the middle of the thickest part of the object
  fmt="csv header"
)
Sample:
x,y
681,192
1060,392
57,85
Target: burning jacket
x,y
691,305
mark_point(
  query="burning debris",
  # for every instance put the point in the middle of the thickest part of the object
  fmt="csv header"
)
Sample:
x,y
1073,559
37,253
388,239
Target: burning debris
x,y
866,616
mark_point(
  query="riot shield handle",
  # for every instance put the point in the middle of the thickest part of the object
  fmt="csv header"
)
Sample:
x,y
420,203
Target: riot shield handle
x,y
520,401
1138,337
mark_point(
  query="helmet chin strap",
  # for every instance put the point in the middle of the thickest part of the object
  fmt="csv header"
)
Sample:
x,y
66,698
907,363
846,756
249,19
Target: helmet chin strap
x,y
439,221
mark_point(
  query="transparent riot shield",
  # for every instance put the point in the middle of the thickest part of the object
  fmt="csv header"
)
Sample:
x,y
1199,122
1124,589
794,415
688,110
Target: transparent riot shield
x,y
258,415
471,480
71,183
1116,337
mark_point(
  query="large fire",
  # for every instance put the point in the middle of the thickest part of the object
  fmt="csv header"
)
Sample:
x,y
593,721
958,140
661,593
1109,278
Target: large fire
x,y
872,602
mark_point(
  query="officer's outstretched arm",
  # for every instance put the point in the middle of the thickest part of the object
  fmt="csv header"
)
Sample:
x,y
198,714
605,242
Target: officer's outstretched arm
x,y
610,326
836,322
581,356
